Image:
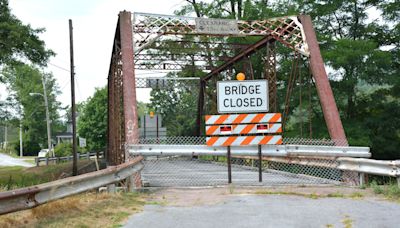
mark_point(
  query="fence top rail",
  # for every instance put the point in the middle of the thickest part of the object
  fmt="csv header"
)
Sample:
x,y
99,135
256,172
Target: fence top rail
x,y
266,150
67,157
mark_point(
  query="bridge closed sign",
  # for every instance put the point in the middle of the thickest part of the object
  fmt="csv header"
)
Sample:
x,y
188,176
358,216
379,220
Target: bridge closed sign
x,y
242,96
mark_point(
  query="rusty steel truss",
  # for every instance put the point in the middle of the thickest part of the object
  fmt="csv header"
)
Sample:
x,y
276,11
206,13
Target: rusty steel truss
x,y
161,42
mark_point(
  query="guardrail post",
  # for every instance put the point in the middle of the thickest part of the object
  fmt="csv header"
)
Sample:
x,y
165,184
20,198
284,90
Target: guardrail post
x,y
111,188
78,155
130,181
47,160
37,161
362,179
88,155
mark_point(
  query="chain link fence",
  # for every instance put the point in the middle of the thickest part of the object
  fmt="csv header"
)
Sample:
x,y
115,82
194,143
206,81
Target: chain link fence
x,y
208,170
185,171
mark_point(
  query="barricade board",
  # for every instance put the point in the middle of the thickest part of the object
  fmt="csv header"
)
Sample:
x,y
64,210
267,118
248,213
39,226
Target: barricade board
x,y
244,140
244,129
243,118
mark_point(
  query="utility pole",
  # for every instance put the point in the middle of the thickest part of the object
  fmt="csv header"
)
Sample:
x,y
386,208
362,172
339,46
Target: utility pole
x,y
46,104
21,150
5,136
71,48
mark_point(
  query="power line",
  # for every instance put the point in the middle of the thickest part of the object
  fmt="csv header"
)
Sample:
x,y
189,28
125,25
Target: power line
x,y
59,67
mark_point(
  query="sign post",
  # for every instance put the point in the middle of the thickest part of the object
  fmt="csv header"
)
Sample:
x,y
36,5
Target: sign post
x,y
243,119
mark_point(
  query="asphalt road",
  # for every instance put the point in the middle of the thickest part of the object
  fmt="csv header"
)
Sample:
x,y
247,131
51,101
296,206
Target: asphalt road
x,y
273,211
6,160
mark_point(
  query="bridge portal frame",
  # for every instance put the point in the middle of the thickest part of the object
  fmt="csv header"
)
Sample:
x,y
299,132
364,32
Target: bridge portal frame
x,y
134,34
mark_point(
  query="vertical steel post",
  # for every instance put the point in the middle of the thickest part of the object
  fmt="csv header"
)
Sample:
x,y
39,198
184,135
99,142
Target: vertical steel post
x,y
157,135
128,74
200,107
270,75
259,164
228,158
331,113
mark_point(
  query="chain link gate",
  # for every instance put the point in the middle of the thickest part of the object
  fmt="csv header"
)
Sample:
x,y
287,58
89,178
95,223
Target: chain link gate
x,y
170,168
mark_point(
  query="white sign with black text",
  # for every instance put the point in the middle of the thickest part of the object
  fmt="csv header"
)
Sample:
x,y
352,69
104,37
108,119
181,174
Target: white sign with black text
x,y
82,142
242,96
216,26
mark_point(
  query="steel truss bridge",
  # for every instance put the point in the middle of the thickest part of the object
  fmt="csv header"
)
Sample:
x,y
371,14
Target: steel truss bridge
x,y
156,42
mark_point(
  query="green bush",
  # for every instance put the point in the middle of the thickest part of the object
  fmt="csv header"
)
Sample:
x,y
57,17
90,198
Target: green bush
x,y
30,148
65,149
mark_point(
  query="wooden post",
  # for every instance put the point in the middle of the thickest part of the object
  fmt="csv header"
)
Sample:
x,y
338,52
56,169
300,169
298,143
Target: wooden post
x,y
74,149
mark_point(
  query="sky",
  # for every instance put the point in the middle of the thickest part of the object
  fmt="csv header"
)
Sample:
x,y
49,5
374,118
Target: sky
x,y
94,23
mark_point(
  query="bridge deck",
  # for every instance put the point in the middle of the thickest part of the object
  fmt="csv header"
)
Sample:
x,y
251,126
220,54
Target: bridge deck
x,y
193,172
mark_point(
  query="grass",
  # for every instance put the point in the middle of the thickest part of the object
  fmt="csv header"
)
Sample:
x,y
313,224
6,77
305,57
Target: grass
x,y
390,191
308,195
12,177
347,222
354,195
84,210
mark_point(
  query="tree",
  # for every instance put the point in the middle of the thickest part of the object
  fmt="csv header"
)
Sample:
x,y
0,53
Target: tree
x,y
92,123
19,42
22,80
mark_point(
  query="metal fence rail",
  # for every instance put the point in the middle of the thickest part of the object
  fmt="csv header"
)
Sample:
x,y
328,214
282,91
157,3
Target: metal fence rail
x,y
67,158
29,197
267,150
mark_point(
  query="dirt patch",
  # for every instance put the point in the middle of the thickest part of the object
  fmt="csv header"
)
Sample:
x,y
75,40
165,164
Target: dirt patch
x,y
209,196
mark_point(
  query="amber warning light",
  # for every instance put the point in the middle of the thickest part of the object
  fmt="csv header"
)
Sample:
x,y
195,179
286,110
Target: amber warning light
x,y
262,128
225,129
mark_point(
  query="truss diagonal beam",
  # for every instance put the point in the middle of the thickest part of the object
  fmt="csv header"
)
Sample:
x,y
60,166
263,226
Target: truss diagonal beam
x,y
261,43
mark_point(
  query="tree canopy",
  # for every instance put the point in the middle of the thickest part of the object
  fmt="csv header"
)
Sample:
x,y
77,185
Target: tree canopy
x,y
26,103
18,41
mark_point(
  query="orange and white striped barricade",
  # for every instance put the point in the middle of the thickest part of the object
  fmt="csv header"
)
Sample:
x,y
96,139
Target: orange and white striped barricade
x,y
244,130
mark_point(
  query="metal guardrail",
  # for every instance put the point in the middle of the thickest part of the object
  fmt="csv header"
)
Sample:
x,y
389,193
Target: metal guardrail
x,y
267,150
370,166
29,197
67,158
